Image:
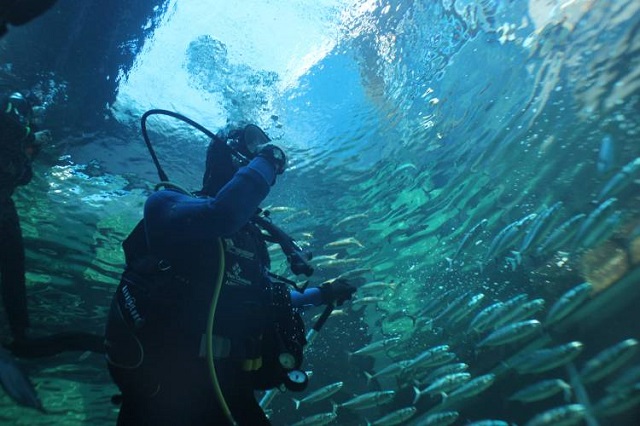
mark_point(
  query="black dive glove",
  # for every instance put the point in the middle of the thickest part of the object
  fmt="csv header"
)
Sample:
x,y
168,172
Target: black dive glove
x,y
274,155
336,292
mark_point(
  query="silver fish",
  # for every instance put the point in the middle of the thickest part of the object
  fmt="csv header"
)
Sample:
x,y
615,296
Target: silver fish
x,y
511,333
434,361
506,237
396,417
561,236
469,237
527,310
625,380
442,385
593,223
542,390
444,418
568,302
548,359
608,361
567,415
620,180
16,383
317,420
390,370
320,394
482,321
618,402
473,387
376,347
459,367
467,308
539,227
488,423
368,400
510,307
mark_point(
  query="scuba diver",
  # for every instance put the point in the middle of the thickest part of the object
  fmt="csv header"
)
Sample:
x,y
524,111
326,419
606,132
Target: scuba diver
x,y
20,12
166,327
20,143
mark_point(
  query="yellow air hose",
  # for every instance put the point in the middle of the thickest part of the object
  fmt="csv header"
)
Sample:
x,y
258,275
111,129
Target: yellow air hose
x,y
209,337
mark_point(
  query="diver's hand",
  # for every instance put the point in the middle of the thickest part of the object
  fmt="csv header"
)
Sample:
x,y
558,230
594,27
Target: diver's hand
x,y
43,136
275,155
337,292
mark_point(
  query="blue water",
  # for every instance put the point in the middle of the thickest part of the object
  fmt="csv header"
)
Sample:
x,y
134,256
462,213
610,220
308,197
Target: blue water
x,y
414,121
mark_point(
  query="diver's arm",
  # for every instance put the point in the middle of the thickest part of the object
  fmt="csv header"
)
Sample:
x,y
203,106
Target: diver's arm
x,y
309,297
181,217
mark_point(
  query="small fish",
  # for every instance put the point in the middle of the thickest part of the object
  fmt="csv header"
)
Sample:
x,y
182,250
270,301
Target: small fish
x,y
598,225
488,423
390,370
395,418
317,420
325,257
482,321
606,155
608,361
335,263
625,380
469,237
320,394
511,333
548,359
506,237
510,307
280,209
539,227
459,367
620,180
366,300
568,302
16,383
334,313
345,242
527,310
442,385
542,390
473,387
444,418
376,347
378,285
618,402
425,358
567,415
561,236
350,219
368,400
467,309
353,273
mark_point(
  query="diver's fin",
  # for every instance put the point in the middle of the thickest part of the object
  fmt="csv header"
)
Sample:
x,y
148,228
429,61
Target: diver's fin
x,y
16,383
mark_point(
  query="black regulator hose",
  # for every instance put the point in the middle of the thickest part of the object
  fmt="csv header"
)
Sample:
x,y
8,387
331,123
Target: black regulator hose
x,y
143,124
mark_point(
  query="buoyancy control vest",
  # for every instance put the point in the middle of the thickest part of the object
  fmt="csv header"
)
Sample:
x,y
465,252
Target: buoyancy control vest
x,y
165,301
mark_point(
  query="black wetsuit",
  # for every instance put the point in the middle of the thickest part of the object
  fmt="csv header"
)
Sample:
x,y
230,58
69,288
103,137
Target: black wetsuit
x,y
159,314
15,170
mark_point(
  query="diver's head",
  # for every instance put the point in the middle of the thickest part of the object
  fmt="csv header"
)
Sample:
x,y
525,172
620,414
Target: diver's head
x,y
229,151
19,105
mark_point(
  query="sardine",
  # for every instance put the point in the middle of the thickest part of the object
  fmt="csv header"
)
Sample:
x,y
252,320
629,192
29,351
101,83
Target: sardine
x,y
488,423
459,367
345,242
396,417
618,402
548,359
482,321
542,390
511,333
568,302
561,236
539,228
376,347
598,225
320,394
317,420
444,418
473,387
527,310
567,415
608,361
620,180
443,385
368,400
469,237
